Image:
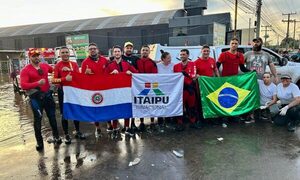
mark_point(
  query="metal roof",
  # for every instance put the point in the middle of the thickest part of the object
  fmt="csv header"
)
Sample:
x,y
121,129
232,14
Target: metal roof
x,y
152,18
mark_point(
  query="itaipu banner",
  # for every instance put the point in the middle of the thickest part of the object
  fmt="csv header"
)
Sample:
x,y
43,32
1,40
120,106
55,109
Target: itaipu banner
x,y
229,96
102,98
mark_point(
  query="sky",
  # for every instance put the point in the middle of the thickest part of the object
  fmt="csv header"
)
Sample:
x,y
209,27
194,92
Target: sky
x,y
20,12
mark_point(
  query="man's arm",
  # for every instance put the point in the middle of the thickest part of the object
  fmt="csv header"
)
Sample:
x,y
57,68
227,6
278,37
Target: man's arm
x,y
25,83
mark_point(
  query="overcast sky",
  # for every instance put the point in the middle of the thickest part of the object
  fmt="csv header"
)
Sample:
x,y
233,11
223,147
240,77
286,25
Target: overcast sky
x,y
20,12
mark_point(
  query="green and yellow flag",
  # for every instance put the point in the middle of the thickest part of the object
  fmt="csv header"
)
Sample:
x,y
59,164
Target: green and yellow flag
x,y
229,96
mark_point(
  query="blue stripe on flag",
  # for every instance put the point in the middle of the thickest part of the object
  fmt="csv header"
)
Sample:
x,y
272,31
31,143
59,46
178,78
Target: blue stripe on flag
x,y
94,114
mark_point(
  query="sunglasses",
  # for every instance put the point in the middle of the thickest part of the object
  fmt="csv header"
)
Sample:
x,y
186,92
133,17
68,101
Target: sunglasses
x,y
64,52
91,49
40,72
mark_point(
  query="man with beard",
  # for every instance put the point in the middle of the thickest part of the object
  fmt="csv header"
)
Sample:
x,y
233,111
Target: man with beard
x,y
34,79
188,69
116,66
258,60
62,72
131,59
94,64
146,65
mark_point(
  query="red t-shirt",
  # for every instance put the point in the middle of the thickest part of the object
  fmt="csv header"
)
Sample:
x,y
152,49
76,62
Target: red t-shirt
x,y
59,74
97,67
206,67
146,65
123,66
30,77
190,70
231,63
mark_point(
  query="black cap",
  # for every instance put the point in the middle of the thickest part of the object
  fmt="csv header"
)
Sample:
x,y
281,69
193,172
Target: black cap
x,y
258,39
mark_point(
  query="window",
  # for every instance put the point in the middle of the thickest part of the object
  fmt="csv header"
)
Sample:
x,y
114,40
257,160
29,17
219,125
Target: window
x,y
1,44
18,44
37,42
60,41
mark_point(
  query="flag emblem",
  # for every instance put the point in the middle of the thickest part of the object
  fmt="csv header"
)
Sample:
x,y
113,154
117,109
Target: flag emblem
x,y
228,97
97,98
151,86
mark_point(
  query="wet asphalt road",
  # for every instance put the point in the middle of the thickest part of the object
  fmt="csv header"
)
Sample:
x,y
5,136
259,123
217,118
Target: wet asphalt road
x,y
248,151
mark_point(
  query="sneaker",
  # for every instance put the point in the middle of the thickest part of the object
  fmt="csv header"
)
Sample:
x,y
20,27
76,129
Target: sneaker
x,y
129,132
50,140
114,134
152,127
224,125
291,127
67,139
161,128
57,140
142,127
98,133
196,125
179,127
134,128
109,129
79,135
39,147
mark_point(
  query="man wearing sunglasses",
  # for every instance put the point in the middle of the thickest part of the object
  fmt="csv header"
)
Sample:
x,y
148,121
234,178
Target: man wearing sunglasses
x,y
62,73
94,64
34,79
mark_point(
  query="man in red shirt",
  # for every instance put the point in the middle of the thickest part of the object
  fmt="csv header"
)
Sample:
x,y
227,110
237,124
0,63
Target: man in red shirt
x,y
62,72
188,69
146,65
118,65
34,79
94,64
205,66
232,60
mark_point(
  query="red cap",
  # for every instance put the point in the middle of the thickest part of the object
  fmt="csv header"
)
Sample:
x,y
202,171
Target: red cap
x,y
33,52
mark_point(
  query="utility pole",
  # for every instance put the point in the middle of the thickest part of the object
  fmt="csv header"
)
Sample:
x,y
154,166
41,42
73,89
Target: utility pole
x,y
266,34
258,16
235,18
288,26
249,40
294,37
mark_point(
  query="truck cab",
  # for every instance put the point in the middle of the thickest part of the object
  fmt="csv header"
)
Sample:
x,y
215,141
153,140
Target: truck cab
x,y
283,66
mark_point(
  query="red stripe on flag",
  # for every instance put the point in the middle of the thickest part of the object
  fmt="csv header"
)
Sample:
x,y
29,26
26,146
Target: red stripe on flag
x,y
99,82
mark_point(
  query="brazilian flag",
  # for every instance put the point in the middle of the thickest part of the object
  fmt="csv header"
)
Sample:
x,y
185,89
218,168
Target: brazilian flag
x,y
229,96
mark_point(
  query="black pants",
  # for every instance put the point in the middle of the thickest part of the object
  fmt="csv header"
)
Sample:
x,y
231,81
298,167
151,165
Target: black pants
x,y
64,122
38,104
292,115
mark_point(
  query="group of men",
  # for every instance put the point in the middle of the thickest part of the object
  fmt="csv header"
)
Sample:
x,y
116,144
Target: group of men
x,y
34,79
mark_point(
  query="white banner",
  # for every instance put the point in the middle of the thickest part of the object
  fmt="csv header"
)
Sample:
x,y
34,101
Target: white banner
x,y
157,95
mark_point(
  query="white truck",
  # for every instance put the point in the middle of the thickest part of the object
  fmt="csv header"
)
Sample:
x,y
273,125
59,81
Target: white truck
x,y
283,66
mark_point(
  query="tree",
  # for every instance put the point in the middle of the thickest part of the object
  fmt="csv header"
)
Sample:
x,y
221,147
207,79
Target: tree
x,y
289,43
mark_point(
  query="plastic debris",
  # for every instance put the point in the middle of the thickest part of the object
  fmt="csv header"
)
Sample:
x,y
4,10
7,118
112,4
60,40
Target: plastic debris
x,y
152,165
178,153
134,162
220,139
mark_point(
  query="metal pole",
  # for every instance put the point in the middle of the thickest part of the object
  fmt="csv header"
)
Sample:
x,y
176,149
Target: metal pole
x,y
258,14
249,40
235,18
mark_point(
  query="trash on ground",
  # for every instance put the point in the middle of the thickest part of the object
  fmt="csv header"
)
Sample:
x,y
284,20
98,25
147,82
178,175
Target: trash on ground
x,y
134,162
178,153
220,139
